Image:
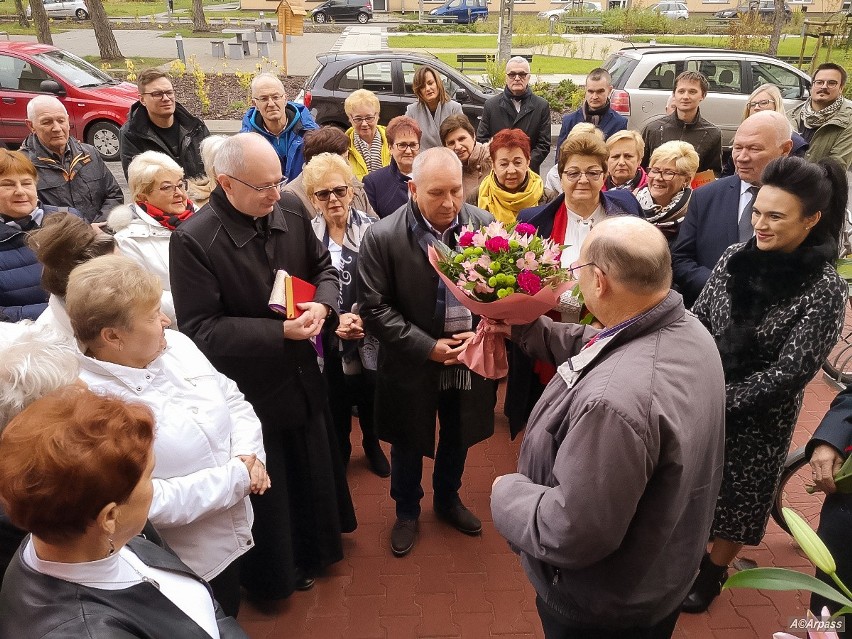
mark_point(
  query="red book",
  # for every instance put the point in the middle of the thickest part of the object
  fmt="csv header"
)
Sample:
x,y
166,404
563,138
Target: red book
x,y
287,292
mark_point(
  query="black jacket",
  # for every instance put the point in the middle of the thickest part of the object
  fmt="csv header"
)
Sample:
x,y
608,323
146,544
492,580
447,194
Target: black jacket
x,y
387,189
137,136
533,119
39,606
705,136
79,179
397,292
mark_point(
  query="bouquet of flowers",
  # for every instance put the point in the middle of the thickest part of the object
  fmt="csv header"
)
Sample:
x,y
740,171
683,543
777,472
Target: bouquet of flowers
x,y
507,274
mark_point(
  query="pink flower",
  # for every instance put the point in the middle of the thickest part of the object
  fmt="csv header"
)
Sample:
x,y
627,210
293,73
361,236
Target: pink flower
x,y
466,238
527,262
529,282
496,229
497,244
523,228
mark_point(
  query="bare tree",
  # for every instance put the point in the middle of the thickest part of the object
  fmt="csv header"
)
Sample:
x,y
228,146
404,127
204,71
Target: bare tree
x,y
199,23
777,26
41,22
22,15
103,31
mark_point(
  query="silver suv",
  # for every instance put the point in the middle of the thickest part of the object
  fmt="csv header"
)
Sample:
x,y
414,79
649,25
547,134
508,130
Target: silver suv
x,y
64,9
643,78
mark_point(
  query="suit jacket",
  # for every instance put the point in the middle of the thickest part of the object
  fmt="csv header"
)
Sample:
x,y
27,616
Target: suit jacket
x,y
397,294
533,119
836,427
710,226
387,189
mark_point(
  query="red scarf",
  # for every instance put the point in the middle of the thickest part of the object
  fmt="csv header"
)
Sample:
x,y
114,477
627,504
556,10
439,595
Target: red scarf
x,y
167,220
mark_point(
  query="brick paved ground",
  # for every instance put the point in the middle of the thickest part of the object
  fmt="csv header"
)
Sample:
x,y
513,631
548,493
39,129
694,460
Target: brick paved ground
x,y
473,587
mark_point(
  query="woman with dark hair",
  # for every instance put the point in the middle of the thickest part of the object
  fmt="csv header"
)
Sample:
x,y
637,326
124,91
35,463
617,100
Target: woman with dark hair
x,y
433,106
76,472
387,188
511,185
457,134
775,306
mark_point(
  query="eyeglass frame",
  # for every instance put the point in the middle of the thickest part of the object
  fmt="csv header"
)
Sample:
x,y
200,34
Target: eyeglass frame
x,y
265,99
825,83
181,185
159,95
761,103
659,172
324,195
406,146
359,120
521,75
579,173
571,269
279,186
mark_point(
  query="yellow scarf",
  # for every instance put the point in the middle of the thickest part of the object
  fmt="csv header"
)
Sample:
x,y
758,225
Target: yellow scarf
x,y
505,206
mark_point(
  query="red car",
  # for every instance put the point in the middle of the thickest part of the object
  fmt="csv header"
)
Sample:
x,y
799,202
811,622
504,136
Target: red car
x,y
97,104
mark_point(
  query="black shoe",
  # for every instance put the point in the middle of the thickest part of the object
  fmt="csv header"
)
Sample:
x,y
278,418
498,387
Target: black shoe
x,y
707,586
460,518
303,581
403,535
378,461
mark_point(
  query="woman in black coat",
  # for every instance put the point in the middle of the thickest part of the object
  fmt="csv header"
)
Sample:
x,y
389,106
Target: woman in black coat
x,y
775,306
387,188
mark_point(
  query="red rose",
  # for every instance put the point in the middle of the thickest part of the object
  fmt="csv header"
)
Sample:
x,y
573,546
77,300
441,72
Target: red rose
x,y
497,244
524,229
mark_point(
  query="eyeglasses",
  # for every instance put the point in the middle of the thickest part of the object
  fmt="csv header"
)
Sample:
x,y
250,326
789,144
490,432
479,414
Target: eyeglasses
x,y
339,193
407,146
159,95
364,120
517,74
263,99
665,174
761,103
168,187
593,175
825,83
278,186
573,268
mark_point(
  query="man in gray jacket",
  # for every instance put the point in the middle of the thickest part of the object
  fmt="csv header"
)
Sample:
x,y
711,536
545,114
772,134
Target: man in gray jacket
x,y
618,475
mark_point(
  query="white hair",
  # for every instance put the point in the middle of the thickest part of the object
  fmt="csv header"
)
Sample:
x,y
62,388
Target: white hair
x,y
142,171
518,60
43,102
435,155
230,157
209,148
37,363
266,75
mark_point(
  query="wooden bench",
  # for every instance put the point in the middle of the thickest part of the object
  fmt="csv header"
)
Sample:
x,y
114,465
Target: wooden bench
x,y
718,26
581,23
480,61
794,59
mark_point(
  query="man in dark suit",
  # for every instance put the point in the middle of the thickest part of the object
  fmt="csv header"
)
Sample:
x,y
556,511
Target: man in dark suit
x,y
422,330
719,214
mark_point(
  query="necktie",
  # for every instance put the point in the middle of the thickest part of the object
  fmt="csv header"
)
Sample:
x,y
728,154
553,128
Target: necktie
x,y
745,227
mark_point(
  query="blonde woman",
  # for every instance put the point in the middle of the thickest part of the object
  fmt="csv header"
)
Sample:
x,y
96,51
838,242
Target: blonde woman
x,y
368,143
553,180
626,150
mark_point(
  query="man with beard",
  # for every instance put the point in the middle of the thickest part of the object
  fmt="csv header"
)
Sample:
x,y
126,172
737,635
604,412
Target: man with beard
x,y
595,109
825,120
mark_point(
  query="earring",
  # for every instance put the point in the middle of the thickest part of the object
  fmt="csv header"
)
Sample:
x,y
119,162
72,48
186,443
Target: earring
x,y
111,547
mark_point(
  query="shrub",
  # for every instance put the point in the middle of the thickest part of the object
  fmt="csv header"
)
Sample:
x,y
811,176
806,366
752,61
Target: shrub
x,y
565,96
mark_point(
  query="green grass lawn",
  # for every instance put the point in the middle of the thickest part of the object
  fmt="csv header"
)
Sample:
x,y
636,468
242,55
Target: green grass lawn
x,y
789,46
541,64
464,41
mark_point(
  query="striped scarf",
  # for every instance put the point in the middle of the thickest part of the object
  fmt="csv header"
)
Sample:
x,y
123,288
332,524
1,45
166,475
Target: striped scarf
x,y
372,153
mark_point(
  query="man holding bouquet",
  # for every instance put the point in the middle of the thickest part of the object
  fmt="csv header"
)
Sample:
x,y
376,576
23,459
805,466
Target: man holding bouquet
x,y
618,475
422,330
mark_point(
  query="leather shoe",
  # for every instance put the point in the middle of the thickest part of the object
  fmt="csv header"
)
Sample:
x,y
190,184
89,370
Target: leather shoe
x,y
377,459
460,518
303,581
707,586
403,535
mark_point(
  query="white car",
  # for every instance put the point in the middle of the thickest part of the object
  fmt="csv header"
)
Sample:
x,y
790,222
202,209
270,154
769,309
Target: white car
x,y
570,8
673,10
64,9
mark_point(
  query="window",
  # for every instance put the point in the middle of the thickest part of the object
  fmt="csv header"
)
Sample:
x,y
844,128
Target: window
x,y
375,76
662,77
408,69
791,85
723,76
19,75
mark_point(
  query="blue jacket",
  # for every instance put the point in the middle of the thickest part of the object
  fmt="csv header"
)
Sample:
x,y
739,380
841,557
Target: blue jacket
x,y
611,122
21,294
614,203
387,189
288,143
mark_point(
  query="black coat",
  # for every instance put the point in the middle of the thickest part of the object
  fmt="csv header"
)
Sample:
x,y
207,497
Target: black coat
x,y
221,272
533,119
36,605
387,189
397,291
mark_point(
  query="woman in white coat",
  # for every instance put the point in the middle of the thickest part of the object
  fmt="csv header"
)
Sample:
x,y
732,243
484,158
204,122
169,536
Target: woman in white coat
x,y
433,106
208,444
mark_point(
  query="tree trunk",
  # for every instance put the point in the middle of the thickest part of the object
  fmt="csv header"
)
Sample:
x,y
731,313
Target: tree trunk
x,y
41,22
199,23
777,26
103,31
22,14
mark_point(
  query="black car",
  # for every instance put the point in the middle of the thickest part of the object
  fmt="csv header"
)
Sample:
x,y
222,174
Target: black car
x,y
764,8
343,11
388,75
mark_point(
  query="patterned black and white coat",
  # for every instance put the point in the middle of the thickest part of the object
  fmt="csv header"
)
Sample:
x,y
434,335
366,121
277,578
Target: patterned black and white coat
x,y
775,317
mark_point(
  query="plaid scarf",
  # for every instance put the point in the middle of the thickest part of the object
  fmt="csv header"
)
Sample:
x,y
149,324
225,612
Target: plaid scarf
x,y
371,153
815,119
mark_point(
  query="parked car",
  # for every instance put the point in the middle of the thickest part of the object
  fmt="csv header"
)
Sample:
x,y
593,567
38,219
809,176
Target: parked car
x,y
643,78
97,104
462,11
570,8
673,10
764,8
64,9
388,74
343,11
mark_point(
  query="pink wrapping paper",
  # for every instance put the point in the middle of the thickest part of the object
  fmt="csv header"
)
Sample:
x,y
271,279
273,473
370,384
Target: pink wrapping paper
x,y
486,352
